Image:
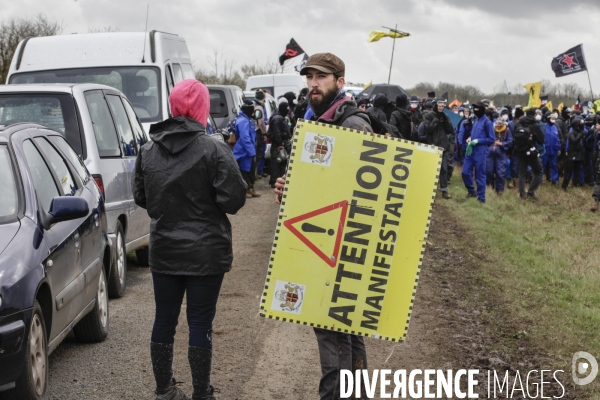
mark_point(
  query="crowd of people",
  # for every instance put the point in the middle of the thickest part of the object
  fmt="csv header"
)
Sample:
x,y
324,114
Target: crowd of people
x,y
506,147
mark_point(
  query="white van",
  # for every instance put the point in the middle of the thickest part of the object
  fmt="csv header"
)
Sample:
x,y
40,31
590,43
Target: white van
x,y
276,84
143,66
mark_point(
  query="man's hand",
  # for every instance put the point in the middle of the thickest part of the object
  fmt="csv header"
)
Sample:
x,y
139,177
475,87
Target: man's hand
x,y
280,148
279,184
468,140
498,143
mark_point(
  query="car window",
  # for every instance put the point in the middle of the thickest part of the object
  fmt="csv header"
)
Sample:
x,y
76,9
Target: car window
x,y
138,129
43,182
129,146
188,71
141,85
218,104
177,73
8,194
104,129
71,156
54,111
59,166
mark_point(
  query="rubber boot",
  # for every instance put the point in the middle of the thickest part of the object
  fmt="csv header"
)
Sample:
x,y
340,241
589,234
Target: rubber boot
x,y
162,366
200,359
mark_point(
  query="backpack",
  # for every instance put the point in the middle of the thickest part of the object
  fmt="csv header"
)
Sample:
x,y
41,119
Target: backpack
x,y
523,138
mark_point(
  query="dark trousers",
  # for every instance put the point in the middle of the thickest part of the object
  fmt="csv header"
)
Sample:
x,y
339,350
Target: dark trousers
x,y
338,351
573,168
247,177
201,292
444,174
277,169
535,163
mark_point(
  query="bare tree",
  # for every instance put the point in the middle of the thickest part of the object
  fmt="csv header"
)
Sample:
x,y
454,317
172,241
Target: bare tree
x,y
94,29
222,71
13,30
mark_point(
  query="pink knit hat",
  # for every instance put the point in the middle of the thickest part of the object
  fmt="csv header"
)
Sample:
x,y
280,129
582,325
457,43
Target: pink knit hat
x,y
190,98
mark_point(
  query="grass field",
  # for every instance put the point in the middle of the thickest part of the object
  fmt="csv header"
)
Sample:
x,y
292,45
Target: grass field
x,y
544,258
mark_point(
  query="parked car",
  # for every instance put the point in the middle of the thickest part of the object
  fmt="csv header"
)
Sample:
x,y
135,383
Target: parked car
x,y
276,84
54,256
225,102
143,66
101,125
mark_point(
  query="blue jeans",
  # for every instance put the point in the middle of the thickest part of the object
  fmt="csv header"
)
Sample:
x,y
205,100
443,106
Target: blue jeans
x,y
202,295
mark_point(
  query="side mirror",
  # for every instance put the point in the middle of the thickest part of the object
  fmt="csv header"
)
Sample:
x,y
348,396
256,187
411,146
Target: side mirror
x,y
257,114
64,208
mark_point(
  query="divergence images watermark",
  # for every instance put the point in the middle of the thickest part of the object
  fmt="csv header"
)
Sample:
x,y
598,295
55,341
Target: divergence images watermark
x,y
463,383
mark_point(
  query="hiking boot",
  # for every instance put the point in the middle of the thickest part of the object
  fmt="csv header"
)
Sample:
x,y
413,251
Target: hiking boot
x,y
446,195
471,195
510,183
532,196
248,194
500,193
173,393
594,207
265,175
253,193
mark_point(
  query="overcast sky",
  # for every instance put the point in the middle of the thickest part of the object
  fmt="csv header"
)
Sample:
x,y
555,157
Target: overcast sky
x,y
463,41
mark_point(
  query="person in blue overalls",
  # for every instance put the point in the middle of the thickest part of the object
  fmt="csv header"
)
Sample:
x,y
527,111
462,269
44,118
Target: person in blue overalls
x,y
552,145
482,136
497,155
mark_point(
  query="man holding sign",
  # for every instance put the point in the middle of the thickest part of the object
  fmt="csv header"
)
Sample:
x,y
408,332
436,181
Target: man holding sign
x,y
325,79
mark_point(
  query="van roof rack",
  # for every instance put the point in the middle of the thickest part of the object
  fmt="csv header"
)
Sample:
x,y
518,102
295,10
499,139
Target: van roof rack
x,y
152,43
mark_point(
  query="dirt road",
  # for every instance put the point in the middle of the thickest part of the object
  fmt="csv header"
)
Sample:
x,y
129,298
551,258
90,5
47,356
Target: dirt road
x,y
257,359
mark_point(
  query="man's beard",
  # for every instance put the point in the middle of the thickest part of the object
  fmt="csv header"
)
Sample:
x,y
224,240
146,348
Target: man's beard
x,y
320,106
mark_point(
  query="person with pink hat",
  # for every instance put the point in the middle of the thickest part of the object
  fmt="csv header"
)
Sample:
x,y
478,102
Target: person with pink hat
x,y
188,182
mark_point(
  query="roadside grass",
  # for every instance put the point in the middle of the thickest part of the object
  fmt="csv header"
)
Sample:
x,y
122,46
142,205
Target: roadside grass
x,y
544,259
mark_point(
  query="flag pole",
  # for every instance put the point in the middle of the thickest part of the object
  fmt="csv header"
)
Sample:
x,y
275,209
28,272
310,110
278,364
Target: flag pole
x,y
392,60
590,82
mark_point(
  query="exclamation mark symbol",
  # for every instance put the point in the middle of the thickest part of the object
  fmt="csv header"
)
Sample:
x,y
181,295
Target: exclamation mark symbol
x,y
306,227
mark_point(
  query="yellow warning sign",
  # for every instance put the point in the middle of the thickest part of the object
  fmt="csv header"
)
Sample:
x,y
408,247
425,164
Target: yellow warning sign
x,y
351,232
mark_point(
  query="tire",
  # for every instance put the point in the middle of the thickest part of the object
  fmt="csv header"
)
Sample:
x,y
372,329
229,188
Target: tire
x,y
142,256
93,328
32,384
117,280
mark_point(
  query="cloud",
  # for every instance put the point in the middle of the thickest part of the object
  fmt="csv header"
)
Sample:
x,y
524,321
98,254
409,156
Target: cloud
x,y
471,42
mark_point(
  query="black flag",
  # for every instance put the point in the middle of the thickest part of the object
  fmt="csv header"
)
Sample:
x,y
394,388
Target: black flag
x,y
291,50
570,62
299,67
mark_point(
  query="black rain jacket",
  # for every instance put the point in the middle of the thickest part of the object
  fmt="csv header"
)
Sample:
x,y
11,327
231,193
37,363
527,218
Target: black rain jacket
x,y
188,182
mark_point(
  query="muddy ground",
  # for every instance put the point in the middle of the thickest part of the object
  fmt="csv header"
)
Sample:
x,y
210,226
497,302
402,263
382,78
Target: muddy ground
x,y
458,322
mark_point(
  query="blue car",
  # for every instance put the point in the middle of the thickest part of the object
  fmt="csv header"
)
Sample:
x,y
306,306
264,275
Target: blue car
x,y
55,255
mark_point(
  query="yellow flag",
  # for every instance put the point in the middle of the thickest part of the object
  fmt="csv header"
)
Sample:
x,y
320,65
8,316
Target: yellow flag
x,y
367,85
596,107
549,105
534,90
374,36
561,106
